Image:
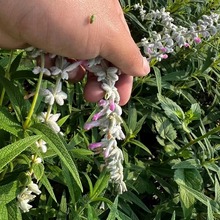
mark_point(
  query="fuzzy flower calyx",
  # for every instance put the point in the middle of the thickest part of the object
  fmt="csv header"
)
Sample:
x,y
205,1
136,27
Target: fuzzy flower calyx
x,y
108,120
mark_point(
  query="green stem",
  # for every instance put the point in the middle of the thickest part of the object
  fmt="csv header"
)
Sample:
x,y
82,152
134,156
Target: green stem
x,y
192,142
7,76
30,113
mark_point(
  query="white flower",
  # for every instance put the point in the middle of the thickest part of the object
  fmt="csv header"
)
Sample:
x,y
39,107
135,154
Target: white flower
x,y
109,121
55,70
34,188
49,97
38,70
24,198
59,95
36,159
55,94
69,68
42,145
23,205
50,120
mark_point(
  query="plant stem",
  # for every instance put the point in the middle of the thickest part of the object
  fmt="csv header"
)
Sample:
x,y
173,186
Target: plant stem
x,y
192,142
7,76
28,118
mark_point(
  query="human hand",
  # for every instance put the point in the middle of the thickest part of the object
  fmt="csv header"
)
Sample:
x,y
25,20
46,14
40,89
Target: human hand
x,y
64,28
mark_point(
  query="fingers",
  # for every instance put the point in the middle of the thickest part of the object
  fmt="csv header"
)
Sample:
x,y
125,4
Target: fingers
x,y
77,74
121,50
124,86
93,91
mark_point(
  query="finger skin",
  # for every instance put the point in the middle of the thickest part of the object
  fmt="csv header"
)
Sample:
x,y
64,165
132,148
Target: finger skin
x,y
64,28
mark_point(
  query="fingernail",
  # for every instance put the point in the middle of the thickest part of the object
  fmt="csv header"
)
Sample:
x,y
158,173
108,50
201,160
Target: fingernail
x,y
146,66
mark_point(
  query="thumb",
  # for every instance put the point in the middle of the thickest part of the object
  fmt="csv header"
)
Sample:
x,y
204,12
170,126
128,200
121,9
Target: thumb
x,y
122,52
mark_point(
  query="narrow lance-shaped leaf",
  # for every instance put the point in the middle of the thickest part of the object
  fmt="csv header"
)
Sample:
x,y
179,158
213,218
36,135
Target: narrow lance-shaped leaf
x,y
9,152
100,184
9,123
57,144
19,105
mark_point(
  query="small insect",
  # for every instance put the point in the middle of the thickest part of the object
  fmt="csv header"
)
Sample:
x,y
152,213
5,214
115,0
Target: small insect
x,y
92,19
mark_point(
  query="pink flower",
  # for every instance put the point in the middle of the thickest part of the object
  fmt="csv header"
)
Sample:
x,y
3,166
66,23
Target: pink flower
x,y
163,49
112,105
186,45
164,56
97,116
91,124
197,40
102,102
95,145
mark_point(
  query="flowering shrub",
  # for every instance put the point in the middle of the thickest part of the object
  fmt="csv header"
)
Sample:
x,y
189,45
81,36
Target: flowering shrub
x,y
155,158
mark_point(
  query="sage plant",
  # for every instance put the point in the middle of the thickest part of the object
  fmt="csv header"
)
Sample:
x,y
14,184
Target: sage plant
x,y
159,44
109,121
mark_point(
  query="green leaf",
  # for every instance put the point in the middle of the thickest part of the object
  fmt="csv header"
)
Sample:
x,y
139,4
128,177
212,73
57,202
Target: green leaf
x,y
132,118
193,114
141,145
176,76
63,211
9,123
173,215
165,128
132,198
210,215
38,169
56,143
187,164
139,125
9,152
23,74
73,188
92,213
113,214
131,17
90,184
189,177
4,212
8,192
20,106
63,120
16,62
48,186
100,185
158,79
217,190
187,202
171,109
202,198
14,212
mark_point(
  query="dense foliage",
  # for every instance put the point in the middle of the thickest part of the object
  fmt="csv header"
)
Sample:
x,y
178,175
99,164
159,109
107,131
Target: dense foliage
x,y
171,125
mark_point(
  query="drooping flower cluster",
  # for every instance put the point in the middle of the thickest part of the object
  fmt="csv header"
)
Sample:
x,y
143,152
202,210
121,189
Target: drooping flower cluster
x,y
26,196
28,193
159,44
108,120
52,95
